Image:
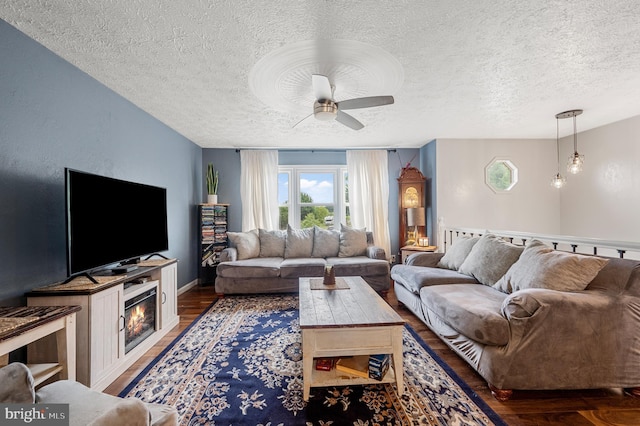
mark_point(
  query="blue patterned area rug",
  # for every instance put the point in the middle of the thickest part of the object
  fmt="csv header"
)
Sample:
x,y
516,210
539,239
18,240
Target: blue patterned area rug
x,y
240,363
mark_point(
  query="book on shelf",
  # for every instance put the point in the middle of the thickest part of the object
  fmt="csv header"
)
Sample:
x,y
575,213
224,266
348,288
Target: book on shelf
x,y
354,365
365,366
378,366
325,364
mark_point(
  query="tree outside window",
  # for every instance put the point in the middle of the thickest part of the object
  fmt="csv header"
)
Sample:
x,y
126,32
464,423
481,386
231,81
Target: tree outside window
x,y
316,194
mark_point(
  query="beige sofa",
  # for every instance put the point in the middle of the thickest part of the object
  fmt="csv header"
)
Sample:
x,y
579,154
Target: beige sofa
x,y
86,406
530,317
261,261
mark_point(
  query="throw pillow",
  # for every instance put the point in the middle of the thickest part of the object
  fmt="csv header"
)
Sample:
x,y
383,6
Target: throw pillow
x,y
299,242
247,243
540,266
326,242
490,258
272,243
353,242
458,252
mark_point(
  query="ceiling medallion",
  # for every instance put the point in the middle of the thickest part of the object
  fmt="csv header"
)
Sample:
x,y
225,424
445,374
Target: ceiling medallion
x,y
282,78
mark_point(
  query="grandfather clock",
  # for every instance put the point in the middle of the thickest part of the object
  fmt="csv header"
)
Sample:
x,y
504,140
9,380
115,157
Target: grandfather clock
x,y
410,196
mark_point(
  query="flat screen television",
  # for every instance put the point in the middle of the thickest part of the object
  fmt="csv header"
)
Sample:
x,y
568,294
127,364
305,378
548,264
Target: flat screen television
x,y
112,221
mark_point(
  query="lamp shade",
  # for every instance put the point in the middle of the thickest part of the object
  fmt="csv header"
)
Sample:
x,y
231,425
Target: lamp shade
x,y
415,216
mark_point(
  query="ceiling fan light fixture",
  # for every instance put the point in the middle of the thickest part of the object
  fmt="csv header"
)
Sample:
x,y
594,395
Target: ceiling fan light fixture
x,y
325,110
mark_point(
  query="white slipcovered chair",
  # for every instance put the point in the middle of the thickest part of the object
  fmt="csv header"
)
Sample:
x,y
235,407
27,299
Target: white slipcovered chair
x,y
86,406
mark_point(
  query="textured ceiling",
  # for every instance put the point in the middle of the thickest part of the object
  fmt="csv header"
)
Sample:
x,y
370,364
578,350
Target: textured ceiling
x,y
237,73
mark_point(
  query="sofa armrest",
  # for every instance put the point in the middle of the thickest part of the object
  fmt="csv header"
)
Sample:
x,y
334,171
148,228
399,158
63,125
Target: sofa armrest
x,y
17,384
229,254
585,323
424,259
526,303
375,252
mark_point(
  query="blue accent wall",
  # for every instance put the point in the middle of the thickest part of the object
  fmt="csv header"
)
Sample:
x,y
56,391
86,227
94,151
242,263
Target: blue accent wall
x,y
428,169
52,116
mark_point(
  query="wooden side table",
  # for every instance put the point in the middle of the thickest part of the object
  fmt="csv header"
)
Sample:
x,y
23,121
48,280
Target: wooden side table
x,y
21,326
408,250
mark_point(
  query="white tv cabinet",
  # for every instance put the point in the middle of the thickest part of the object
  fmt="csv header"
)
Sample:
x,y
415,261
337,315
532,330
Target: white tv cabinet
x,y
100,348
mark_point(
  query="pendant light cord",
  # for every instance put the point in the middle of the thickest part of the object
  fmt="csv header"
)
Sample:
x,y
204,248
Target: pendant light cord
x,y
558,144
575,136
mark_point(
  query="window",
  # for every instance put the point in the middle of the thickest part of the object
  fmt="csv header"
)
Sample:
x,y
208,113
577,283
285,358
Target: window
x,y
312,195
501,175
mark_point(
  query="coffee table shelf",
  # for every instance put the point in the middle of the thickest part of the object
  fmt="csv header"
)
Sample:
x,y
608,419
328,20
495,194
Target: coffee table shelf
x,y
320,378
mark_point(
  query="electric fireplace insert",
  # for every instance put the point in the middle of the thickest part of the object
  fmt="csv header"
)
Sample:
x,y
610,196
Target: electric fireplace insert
x,y
140,318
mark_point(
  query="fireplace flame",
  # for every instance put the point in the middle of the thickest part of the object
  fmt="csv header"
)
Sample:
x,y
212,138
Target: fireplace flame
x,y
136,320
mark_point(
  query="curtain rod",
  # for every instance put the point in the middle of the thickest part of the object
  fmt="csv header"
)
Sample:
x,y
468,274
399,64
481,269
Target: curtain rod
x,y
318,150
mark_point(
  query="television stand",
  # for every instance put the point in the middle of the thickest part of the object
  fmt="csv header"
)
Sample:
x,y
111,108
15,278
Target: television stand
x,y
82,274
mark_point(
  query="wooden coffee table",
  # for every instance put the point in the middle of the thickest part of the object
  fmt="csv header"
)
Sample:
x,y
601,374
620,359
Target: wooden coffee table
x,y
347,322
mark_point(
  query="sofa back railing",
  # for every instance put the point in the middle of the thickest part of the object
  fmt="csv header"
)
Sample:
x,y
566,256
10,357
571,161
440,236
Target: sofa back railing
x,y
596,246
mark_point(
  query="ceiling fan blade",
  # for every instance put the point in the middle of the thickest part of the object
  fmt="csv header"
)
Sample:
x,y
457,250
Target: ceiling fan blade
x,y
321,87
368,102
348,120
299,122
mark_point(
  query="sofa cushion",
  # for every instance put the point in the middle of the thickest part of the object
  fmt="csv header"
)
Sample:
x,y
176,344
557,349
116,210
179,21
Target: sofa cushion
x,y
413,278
272,243
258,267
299,242
246,243
353,242
490,258
302,267
471,309
458,252
615,275
326,242
540,266
359,266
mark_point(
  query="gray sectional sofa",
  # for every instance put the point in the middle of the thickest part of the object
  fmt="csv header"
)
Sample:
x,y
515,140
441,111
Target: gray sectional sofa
x,y
530,317
261,261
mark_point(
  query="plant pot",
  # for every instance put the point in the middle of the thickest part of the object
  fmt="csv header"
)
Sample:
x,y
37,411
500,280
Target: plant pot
x,y
212,199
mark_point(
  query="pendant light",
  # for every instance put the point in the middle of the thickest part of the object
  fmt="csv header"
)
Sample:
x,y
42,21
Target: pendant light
x,y
574,165
558,180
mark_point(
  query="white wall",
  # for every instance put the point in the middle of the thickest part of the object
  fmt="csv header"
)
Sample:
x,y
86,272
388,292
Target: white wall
x,y
603,201
463,199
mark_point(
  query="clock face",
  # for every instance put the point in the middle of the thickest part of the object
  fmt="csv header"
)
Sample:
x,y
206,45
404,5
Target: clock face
x,y
411,198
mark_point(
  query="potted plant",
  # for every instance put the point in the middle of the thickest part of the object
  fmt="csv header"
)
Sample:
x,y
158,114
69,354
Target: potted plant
x,y
212,184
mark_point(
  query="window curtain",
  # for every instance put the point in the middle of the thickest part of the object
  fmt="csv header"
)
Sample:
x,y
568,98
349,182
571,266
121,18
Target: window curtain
x,y
259,189
369,194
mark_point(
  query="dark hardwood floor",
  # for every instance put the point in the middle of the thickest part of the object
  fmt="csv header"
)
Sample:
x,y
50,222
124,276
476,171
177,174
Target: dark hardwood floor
x,y
575,408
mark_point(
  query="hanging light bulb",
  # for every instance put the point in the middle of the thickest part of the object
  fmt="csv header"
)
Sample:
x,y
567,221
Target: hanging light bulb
x,y
558,180
574,165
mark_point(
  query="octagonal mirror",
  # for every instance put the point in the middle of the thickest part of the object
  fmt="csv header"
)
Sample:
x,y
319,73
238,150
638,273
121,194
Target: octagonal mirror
x,y
501,175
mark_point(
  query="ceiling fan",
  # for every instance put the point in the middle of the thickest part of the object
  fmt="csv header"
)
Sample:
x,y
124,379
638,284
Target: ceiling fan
x,y
326,109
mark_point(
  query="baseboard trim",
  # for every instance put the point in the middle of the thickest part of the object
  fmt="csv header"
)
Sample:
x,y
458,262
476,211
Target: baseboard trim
x,y
187,286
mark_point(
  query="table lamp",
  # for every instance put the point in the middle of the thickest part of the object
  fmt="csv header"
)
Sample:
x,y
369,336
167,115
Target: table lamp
x,y
415,218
